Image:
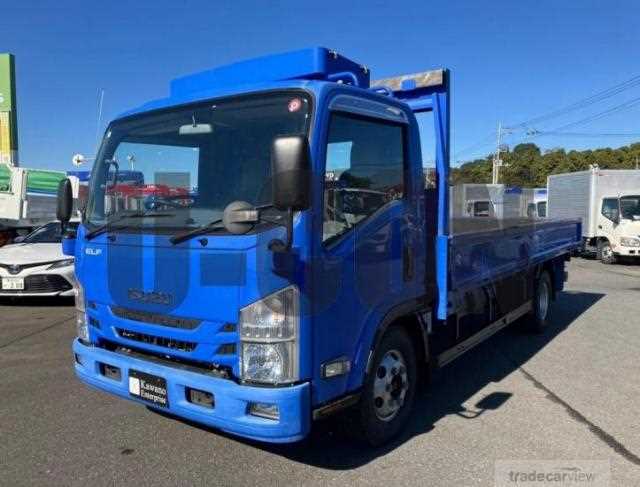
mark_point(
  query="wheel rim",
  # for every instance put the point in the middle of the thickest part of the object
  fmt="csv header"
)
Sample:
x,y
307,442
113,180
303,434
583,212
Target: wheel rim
x,y
543,299
390,385
606,251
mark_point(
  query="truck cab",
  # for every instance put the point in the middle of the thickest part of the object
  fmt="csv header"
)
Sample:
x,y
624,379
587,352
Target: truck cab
x,y
279,312
536,200
619,227
606,200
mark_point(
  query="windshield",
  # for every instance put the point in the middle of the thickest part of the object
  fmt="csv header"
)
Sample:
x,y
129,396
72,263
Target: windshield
x,y
630,207
542,209
181,168
49,233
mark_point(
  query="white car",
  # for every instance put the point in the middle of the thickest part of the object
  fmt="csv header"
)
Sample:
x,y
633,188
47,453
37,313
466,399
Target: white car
x,y
36,265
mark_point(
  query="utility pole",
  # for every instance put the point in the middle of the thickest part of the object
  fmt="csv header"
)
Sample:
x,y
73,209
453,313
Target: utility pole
x,y
497,162
99,121
636,162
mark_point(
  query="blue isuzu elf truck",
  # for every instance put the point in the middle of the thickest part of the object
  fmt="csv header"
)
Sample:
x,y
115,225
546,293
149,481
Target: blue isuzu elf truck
x,y
277,258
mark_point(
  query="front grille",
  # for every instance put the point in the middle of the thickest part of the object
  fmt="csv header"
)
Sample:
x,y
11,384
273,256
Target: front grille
x,y
15,269
170,343
155,318
226,349
42,284
215,370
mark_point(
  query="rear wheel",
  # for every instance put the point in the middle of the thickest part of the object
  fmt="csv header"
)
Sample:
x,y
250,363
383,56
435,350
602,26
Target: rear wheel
x,y
605,252
389,389
538,316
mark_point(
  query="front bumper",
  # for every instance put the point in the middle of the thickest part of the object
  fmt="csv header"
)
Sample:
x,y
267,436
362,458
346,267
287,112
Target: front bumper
x,y
42,282
626,251
27,294
232,400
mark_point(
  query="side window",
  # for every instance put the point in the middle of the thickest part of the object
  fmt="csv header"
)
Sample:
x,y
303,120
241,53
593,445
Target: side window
x,y
481,208
610,208
364,171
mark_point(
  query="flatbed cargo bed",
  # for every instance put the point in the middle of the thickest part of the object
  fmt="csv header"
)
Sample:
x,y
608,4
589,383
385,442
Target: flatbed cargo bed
x,y
482,251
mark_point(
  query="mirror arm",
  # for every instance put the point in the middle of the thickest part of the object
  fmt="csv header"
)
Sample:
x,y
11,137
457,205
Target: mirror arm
x,y
277,245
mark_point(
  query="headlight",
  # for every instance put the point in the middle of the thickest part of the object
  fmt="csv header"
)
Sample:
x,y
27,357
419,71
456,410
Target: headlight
x,y
629,242
269,334
268,362
81,314
61,263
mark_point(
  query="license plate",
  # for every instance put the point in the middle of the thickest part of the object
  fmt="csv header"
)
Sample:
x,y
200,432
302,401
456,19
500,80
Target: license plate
x,y
149,387
13,283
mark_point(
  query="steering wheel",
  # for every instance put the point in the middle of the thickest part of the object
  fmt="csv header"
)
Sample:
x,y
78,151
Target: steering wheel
x,y
154,202
337,212
351,203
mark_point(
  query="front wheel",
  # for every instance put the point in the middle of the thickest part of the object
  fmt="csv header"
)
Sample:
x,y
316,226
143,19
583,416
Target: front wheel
x,y
389,389
605,253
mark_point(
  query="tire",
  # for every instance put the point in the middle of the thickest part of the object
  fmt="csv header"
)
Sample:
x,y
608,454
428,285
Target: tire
x,y
605,253
538,318
389,389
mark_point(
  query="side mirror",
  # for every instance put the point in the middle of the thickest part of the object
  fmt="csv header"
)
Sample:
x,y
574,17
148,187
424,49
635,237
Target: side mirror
x,y
239,217
291,181
65,202
18,240
291,173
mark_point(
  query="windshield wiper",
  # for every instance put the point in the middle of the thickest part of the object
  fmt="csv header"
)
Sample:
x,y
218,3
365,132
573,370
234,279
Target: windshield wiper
x,y
203,230
107,226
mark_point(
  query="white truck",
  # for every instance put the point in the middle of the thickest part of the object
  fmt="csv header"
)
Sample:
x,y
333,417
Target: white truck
x,y
536,202
28,199
608,202
497,201
473,200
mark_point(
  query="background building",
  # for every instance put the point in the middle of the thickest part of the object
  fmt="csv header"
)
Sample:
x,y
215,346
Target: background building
x,y
8,111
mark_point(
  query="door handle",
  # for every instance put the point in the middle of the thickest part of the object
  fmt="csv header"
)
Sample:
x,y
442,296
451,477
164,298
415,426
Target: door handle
x,y
407,263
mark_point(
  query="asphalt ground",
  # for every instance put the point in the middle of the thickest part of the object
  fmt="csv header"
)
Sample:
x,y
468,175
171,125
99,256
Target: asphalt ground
x,y
572,393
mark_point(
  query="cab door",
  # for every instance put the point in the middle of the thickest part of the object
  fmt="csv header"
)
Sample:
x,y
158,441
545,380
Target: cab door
x,y
366,263
609,218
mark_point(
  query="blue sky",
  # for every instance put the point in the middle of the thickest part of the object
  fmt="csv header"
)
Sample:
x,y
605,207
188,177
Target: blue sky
x,y
510,60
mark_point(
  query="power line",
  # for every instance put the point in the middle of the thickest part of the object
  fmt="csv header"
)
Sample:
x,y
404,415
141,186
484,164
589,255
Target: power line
x,y
591,118
582,103
485,141
586,134
605,113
